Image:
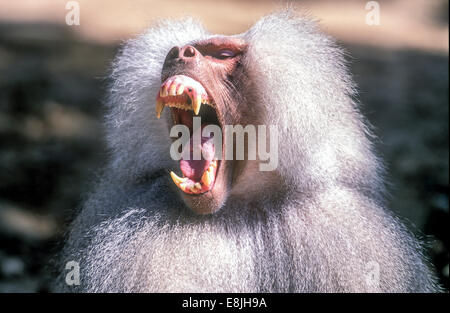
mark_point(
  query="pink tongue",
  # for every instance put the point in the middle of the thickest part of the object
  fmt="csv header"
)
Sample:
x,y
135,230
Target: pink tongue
x,y
194,169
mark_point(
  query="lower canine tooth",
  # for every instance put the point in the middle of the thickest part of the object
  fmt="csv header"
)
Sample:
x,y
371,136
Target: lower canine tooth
x,y
206,179
176,179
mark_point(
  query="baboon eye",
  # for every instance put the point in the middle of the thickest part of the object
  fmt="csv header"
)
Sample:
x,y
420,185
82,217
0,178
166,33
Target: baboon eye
x,y
225,54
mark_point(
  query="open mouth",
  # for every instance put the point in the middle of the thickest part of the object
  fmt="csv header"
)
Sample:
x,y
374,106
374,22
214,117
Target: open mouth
x,y
186,97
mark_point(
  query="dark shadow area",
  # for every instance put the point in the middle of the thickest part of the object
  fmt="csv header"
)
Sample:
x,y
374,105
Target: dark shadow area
x,y
441,13
405,96
51,142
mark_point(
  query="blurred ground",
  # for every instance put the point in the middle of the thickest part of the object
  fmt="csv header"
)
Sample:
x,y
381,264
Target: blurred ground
x,y
51,86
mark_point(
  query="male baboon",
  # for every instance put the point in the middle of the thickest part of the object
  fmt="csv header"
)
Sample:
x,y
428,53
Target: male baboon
x,y
316,223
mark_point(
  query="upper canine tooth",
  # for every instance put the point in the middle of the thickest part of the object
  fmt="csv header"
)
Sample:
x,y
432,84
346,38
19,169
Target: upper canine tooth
x,y
180,89
159,108
196,104
173,90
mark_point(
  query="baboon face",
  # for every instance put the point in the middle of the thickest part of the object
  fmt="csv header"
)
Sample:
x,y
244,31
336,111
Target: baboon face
x,y
204,79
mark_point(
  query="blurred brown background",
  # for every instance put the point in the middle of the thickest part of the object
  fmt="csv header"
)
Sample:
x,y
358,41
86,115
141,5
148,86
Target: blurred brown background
x,y
52,80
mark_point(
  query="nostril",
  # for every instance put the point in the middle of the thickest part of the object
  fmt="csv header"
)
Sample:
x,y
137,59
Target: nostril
x,y
173,53
189,52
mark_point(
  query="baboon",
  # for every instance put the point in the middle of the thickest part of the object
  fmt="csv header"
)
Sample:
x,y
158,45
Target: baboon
x,y
318,222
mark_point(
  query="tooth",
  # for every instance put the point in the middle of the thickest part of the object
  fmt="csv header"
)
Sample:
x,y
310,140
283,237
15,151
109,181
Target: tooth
x,y
159,108
198,186
161,93
164,92
177,180
180,89
193,189
173,90
196,104
206,179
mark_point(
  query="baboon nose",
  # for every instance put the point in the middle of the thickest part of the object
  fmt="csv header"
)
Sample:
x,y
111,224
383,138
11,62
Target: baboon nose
x,y
186,54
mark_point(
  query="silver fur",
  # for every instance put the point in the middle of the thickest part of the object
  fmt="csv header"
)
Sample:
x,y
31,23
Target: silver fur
x,y
319,229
